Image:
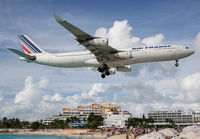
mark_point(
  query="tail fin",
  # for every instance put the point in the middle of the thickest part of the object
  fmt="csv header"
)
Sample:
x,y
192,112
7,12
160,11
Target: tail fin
x,y
28,45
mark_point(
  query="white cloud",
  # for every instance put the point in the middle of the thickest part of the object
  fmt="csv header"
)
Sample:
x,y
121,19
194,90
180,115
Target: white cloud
x,y
56,98
32,92
52,104
197,44
153,40
191,82
96,94
26,102
138,96
143,97
35,102
120,36
1,97
101,32
190,86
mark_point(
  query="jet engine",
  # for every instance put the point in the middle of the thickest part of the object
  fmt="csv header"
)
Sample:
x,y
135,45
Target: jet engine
x,y
126,68
111,71
124,55
98,42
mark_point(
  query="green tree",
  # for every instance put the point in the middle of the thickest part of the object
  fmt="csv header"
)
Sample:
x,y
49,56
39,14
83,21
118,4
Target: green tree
x,y
143,116
6,123
42,126
17,123
5,119
25,124
140,122
94,120
13,123
58,124
35,125
84,119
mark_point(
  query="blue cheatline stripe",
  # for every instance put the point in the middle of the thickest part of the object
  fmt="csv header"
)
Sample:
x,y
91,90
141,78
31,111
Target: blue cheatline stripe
x,y
31,44
33,50
26,43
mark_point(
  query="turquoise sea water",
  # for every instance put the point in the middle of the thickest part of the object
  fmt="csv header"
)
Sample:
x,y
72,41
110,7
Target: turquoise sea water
x,y
20,136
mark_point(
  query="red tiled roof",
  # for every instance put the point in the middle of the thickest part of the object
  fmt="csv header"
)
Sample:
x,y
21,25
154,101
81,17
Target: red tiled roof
x,y
95,104
80,107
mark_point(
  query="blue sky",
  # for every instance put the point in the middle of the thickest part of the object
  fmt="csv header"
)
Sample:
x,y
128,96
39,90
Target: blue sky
x,y
178,21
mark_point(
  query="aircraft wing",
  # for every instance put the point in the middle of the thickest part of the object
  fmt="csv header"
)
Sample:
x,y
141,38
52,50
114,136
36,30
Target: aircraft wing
x,y
82,37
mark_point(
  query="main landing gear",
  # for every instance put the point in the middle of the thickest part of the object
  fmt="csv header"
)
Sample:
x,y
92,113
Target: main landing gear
x,y
104,70
176,63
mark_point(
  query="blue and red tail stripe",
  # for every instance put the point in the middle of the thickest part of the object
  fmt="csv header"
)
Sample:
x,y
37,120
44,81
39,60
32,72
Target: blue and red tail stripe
x,y
30,46
25,49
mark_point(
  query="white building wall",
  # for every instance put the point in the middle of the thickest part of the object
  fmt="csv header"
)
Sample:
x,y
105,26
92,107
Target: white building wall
x,y
177,116
119,119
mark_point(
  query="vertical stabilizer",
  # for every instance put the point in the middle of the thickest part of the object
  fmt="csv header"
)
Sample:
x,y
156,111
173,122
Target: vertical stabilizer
x,y
29,46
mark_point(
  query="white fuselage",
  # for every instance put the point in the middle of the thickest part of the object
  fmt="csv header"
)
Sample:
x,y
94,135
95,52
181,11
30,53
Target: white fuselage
x,y
138,55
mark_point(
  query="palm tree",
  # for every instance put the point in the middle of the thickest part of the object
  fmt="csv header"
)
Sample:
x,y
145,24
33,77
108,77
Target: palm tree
x,y
94,120
35,125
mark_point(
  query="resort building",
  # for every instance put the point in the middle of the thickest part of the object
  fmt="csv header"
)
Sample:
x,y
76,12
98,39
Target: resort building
x,y
107,108
82,112
117,119
177,116
49,120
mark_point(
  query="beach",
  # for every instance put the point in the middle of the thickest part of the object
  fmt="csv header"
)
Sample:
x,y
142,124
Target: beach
x,y
82,133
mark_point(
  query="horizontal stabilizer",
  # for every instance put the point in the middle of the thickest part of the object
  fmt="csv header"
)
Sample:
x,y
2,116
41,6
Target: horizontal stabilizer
x,y
26,56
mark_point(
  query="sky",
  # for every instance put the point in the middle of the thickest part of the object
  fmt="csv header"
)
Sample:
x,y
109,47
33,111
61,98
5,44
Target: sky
x,y
32,92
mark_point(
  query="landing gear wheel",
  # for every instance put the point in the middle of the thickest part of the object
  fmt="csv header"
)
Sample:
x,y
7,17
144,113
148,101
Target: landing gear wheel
x,y
103,75
107,73
176,63
100,69
104,67
104,70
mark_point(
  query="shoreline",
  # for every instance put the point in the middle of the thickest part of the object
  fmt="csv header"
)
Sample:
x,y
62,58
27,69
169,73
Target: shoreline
x,y
81,133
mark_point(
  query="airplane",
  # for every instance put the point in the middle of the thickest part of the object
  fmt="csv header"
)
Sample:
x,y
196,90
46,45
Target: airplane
x,y
101,56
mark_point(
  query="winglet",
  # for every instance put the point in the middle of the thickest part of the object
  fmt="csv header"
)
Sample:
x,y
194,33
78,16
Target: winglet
x,y
58,18
26,56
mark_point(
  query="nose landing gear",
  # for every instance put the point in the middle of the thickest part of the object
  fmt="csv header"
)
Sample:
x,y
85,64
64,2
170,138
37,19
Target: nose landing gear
x,y
176,63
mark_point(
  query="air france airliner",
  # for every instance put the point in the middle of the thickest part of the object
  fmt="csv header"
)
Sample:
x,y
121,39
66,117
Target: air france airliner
x,y
100,55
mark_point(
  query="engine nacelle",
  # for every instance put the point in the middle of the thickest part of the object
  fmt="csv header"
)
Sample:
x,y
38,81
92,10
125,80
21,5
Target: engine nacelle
x,y
126,68
111,71
98,42
124,55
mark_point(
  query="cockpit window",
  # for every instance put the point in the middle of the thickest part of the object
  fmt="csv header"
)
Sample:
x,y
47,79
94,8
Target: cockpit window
x,y
186,47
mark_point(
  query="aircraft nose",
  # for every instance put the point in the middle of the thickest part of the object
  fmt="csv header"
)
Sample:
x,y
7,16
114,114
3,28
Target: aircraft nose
x,y
191,52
